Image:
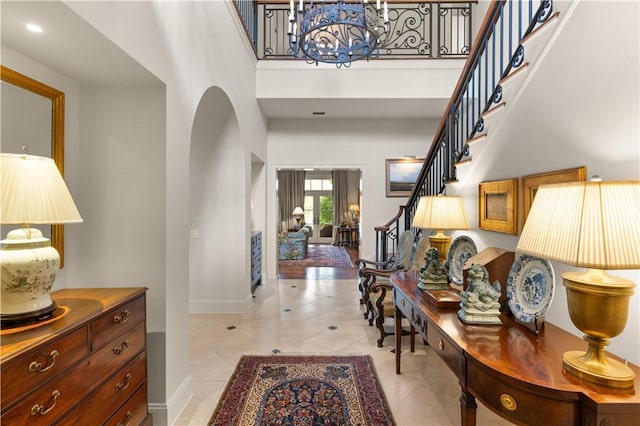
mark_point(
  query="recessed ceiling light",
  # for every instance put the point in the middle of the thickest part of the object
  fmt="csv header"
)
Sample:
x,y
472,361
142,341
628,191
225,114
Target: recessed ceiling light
x,y
34,28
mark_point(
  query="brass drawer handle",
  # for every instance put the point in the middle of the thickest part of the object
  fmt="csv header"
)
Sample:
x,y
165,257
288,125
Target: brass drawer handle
x,y
40,409
127,382
122,317
35,366
440,344
508,402
127,419
122,349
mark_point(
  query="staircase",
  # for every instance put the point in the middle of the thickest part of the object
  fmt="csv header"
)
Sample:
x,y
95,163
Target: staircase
x,y
511,42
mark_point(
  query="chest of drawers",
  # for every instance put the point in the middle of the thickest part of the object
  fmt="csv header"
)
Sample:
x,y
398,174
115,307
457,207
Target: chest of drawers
x,y
84,366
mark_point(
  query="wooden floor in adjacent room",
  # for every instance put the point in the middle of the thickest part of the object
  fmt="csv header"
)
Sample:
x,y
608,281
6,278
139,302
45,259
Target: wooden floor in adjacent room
x,y
324,272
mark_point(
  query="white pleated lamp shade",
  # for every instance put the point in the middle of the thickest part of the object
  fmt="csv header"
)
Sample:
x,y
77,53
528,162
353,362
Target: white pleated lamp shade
x,y
32,191
440,212
298,211
586,224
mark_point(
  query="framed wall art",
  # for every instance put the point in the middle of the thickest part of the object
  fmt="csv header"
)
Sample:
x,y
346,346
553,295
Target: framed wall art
x,y
498,206
402,175
530,184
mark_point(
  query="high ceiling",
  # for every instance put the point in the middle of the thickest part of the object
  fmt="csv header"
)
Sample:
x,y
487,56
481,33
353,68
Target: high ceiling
x,y
74,48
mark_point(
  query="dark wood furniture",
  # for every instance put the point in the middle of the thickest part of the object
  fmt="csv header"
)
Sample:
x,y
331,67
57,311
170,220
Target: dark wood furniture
x,y
513,371
256,259
85,366
348,236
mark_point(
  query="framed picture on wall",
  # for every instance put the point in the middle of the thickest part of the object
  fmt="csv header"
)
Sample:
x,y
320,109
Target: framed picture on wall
x,y
402,175
498,206
530,184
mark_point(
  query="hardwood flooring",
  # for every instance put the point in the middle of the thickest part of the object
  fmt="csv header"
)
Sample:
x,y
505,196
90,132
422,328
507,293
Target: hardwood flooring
x,y
324,272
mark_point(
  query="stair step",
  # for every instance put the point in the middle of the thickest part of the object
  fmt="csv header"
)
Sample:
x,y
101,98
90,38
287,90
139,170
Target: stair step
x,y
478,138
492,116
462,161
512,83
512,78
535,43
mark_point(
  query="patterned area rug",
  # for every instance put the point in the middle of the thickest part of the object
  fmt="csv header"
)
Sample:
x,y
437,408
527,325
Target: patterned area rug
x,y
303,391
322,255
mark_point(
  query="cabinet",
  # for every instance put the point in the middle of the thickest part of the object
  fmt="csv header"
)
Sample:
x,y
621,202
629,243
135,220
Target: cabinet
x,y
85,365
256,259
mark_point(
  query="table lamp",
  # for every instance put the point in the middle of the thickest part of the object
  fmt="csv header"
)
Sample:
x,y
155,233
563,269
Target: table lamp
x,y
297,214
354,209
32,191
440,212
593,225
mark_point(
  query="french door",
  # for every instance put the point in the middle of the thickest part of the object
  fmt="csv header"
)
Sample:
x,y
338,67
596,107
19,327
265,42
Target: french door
x,y
318,210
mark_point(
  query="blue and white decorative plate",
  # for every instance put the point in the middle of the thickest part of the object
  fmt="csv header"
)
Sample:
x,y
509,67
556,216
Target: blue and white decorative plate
x,y
530,287
462,248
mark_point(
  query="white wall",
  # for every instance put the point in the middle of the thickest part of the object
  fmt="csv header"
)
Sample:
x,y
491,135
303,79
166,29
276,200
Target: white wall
x,y
177,42
347,144
576,111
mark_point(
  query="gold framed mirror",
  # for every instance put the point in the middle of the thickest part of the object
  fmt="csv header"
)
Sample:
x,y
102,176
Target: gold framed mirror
x,y
56,97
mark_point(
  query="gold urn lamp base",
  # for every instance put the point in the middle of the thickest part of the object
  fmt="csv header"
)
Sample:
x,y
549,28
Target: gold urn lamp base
x,y
598,306
441,242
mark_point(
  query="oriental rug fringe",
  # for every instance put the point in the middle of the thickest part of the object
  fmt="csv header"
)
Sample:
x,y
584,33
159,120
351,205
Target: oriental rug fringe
x,y
303,391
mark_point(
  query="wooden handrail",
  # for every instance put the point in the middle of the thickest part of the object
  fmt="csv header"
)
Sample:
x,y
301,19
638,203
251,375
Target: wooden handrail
x,y
387,225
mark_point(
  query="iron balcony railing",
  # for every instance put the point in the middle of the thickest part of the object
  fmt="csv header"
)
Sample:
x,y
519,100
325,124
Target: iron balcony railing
x,y
418,30
496,50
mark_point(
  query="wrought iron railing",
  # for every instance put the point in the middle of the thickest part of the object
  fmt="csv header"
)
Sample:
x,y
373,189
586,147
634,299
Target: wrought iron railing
x,y
416,30
495,52
248,12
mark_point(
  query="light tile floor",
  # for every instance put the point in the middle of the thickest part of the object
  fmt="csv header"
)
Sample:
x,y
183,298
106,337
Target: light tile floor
x,y
298,317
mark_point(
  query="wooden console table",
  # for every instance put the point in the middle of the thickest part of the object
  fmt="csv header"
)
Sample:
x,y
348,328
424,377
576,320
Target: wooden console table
x,y
513,371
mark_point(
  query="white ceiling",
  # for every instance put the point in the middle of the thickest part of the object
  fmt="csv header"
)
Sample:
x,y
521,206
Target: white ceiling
x,y
68,44
76,49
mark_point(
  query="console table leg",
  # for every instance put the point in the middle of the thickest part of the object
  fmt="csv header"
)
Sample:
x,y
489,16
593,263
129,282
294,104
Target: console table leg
x,y
397,317
467,409
413,338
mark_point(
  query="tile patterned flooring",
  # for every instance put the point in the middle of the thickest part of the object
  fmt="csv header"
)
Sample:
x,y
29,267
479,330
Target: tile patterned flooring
x,y
319,317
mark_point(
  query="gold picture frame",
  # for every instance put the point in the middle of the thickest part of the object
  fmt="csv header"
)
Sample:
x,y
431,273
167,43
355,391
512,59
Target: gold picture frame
x,y
498,206
530,184
401,175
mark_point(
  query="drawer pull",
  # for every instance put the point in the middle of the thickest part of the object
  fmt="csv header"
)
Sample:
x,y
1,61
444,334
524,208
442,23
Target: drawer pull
x,y
508,402
36,366
127,419
122,349
122,317
440,344
402,303
127,382
41,409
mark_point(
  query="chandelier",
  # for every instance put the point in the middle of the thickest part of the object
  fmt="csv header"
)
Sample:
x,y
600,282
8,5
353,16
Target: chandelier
x,y
337,32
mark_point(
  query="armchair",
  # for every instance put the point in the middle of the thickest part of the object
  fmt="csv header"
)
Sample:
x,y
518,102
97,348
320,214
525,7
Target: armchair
x,y
396,263
380,299
294,245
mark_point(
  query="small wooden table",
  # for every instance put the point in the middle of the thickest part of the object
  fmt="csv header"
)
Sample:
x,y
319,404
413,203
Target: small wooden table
x,y
513,371
348,236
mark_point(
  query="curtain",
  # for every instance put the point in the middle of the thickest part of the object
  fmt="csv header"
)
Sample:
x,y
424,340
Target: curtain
x,y
340,202
290,194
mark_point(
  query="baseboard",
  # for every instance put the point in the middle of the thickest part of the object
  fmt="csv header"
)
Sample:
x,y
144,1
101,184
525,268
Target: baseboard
x,y
200,306
166,414
159,413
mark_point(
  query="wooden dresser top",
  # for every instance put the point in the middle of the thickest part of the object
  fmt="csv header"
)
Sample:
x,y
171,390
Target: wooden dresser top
x,y
75,307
